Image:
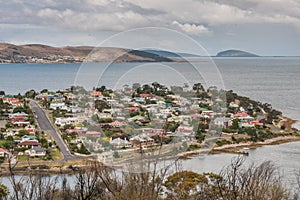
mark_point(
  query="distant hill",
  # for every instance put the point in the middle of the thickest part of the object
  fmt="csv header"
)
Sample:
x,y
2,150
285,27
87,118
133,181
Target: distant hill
x,y
38,53
169,54
235,53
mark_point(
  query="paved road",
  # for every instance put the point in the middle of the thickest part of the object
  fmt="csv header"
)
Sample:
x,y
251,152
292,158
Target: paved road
x,y
47,127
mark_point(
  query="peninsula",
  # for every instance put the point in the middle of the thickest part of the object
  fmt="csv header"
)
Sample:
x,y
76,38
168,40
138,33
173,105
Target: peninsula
x,y
119,126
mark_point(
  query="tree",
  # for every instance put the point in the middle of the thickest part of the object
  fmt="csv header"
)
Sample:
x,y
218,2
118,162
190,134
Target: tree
x,y
235,124
95,118
101,105
22,133
44,91
4,192
83,150
30,94
101,89
135,86
184,184
198,87
19,109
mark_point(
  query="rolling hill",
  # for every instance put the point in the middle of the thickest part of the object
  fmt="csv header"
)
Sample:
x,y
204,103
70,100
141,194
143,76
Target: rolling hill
x,y
235,53
38,53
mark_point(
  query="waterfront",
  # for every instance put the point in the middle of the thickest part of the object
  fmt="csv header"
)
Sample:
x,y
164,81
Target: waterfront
x,y
271,80
284,156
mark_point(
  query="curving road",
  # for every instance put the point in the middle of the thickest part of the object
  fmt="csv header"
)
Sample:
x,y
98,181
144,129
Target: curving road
x,y
48,128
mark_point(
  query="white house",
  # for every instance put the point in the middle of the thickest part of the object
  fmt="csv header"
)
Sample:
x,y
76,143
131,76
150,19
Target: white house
x,y
60,121
120,143
18,114
61,106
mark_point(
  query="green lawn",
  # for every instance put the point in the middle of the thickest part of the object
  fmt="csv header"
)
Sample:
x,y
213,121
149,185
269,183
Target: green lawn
x,y
56,154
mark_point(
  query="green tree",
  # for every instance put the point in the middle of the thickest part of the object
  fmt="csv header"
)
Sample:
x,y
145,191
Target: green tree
x,y
22,133
83,150
19,109
95,118
4,192
30,94
101,105
184,184
235,124
198,87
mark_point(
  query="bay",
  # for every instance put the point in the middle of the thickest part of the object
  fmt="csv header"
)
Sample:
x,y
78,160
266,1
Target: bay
x,y
271,80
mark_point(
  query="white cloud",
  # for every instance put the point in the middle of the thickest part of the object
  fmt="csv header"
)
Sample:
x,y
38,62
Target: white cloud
x,y
85,21
125,14
191,29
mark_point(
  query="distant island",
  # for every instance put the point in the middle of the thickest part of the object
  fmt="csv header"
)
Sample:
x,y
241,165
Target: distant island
x,y
38,53
235,53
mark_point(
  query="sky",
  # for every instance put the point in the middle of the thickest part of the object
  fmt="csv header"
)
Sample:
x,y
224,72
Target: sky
x,y
264,27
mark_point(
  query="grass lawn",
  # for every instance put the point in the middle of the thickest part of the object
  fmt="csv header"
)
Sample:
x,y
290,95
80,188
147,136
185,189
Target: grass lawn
x,y
56,154
25,158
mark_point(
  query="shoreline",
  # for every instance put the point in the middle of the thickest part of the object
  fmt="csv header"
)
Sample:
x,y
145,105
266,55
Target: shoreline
x,y
235,148
64,167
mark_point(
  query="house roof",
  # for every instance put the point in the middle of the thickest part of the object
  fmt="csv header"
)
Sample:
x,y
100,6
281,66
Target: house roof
x,y
93,133
31,137
145,95
38,149
29,142
3,150
141,138
119,141
241,114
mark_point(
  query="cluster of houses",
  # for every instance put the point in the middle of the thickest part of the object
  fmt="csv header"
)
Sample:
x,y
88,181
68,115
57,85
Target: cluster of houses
x,y
13,124
125,121
146,113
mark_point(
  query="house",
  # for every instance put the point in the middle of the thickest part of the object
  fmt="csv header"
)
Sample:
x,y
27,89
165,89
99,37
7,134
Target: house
x,y
144,95
61,121
241,114
104,115
4,153
30,129
257,123
17,104
18,115
142,140
185,129
36,151
116,124
119,143
10,100
246,125
57,105
29,144
96,93
29,137
93,133
222,121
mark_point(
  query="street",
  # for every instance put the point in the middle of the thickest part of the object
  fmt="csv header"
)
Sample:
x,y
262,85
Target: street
x,y
48,128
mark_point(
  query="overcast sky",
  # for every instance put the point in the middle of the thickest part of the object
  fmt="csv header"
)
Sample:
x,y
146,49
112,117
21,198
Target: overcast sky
x,y
265,27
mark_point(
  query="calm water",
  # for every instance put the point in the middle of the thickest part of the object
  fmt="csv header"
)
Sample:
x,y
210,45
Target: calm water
x,y
272,80
285,156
